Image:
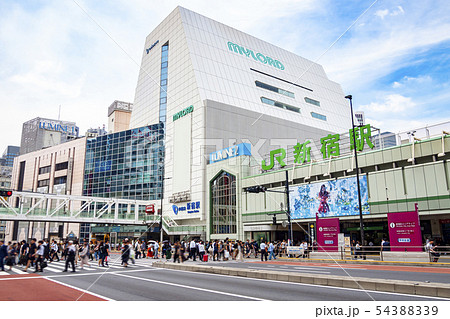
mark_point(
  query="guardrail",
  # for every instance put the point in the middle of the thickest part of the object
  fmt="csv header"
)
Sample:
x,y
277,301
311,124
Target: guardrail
x,y
439,254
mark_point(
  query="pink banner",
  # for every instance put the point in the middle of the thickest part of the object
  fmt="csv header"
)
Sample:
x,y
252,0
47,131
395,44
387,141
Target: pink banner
x,y
327,230
404,231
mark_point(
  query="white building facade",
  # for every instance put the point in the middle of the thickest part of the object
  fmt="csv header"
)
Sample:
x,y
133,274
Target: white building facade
x,y
214,86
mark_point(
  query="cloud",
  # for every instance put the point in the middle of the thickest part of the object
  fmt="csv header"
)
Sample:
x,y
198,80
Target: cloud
x,y
393,103
382,13
407,81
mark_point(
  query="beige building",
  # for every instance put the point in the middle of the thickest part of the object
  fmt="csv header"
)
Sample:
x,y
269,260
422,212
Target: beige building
x,y
58,170
119,115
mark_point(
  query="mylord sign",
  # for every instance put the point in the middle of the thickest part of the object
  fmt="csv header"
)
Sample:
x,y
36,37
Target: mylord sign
x,y
184,112
230,152
256,56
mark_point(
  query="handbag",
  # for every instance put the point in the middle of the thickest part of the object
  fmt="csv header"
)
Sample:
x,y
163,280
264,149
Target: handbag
x,y
43,264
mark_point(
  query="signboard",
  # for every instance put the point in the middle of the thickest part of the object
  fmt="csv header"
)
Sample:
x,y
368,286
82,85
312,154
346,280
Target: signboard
x,y
330,198
294,250
404,231
230,152
184,112
327,230
59,127
190,208
115,229
341,240
150,209
256,56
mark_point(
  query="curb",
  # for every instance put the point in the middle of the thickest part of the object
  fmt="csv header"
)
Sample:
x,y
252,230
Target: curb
x,y
397,286
368,262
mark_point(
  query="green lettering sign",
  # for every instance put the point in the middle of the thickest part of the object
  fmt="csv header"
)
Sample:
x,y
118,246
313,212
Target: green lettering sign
x,y
279,158
184,112
256,56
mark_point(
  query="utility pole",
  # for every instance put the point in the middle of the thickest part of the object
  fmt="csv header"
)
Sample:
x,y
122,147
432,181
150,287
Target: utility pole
x,y
361,224
291,236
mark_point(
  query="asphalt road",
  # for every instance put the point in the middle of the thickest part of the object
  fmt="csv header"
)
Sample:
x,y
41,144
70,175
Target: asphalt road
x,y
143,282
418,274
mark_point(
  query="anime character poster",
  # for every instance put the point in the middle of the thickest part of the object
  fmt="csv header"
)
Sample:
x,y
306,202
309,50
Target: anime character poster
x,y
329,198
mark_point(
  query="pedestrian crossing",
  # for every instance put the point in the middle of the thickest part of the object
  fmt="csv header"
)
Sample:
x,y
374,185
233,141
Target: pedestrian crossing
x,y
58,267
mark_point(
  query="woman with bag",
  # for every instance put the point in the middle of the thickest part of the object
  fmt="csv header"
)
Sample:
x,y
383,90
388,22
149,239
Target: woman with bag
x,y
84,255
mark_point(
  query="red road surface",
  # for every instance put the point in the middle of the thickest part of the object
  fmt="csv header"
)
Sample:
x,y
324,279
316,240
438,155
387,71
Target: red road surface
x,y
362,266
36,288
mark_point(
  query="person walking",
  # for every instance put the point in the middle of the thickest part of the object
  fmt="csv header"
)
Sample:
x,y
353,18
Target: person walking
x,y
271,251
70,256
84,255
125,253
39,256
240,255
263,248
192,250
3,254
31,252
54,251
201,250
155,250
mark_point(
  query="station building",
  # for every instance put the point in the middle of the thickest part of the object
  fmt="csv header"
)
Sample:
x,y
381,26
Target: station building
x,y
217,111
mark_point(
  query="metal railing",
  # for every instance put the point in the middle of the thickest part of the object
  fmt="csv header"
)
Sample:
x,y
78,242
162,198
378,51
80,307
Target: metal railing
x,y
440,254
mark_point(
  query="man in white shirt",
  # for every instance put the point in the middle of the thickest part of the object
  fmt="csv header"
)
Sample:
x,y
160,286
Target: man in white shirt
x,y
192,249
263,247
155,249
54,251
201,250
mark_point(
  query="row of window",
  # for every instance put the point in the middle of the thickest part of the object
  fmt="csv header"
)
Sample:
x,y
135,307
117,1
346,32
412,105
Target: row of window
x,y
163,82
274,89
61,166
280,105
44,170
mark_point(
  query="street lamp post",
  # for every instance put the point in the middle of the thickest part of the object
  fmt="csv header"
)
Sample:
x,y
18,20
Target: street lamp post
x,y
361,225
161,221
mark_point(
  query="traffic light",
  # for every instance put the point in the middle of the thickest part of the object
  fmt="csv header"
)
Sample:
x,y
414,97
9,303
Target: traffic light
x,y
274,219
256,189
5,193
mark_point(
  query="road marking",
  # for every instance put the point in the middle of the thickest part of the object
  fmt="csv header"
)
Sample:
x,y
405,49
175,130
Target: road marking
x,y
79,289
4,273
194,288
74,274
305,270
311,285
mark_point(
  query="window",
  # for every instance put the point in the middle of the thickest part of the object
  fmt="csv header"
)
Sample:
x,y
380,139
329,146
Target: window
x,y
274,89
318,116
61,166
44,170
311,101
223,209
280,105
43,183
60,180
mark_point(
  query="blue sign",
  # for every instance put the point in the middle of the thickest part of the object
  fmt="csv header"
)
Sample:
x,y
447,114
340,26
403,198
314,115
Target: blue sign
x,y
190,208
115,229
230,152
152,46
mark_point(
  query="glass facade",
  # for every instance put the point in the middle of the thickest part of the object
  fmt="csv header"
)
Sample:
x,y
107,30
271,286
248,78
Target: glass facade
x,y
223,191
280,105
163,83
127,164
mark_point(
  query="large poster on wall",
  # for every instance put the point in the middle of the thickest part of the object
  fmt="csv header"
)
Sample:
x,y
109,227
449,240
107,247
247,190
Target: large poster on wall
x,y
404,231
327,230
329,198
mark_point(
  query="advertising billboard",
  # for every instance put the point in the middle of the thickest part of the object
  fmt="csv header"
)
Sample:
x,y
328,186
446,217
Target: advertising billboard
x,y
329,198
327,233
404,231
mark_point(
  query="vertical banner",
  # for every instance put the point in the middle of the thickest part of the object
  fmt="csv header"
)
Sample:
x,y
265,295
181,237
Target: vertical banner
x,y
327,230
404,231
